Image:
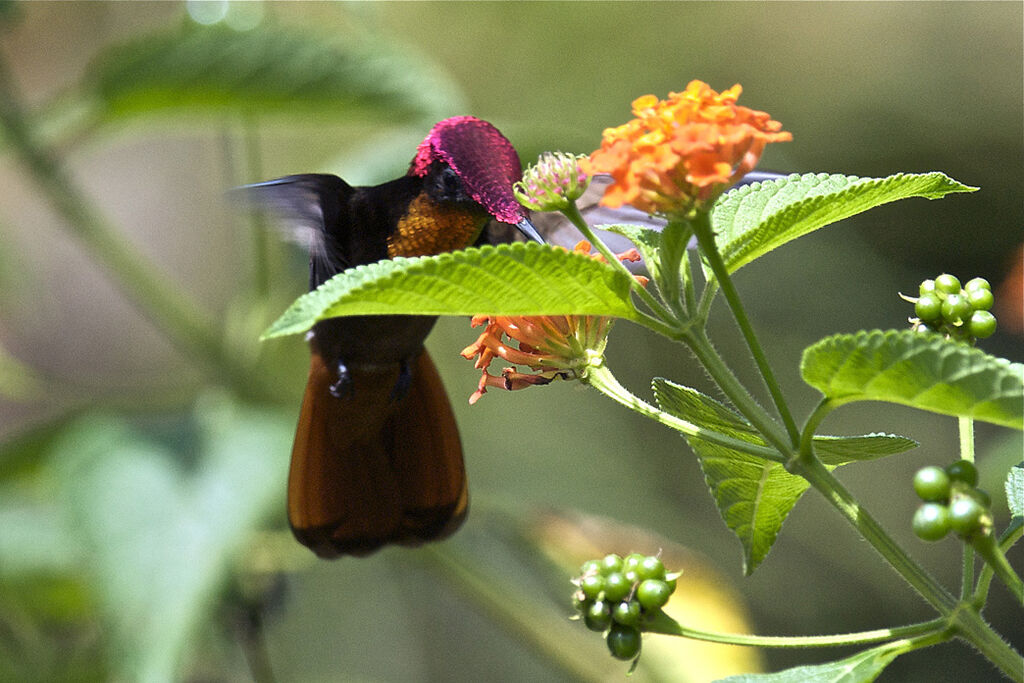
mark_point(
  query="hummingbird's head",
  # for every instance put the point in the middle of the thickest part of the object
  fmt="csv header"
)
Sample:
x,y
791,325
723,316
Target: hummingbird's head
x,y
484,161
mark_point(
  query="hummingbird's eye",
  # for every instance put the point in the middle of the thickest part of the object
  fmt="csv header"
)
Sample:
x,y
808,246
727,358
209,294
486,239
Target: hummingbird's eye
x,y
448,186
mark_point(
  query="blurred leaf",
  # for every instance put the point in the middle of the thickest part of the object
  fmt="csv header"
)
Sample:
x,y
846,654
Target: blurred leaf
x,y
510,279
752,220
159,540
274,69
923,371
1015,490
862,667
18,381
754,496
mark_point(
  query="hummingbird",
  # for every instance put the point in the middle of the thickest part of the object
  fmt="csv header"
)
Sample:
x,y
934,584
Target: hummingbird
x,y
377,458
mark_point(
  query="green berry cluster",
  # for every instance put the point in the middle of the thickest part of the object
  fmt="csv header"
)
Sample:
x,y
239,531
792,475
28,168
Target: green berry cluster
x,y
958,312
616,595
952,502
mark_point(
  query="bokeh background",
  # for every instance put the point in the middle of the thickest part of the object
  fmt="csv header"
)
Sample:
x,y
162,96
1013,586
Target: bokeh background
x,y
141,484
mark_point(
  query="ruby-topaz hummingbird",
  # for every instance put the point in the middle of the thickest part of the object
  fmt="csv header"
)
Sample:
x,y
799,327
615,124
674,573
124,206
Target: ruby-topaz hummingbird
x,y
377,457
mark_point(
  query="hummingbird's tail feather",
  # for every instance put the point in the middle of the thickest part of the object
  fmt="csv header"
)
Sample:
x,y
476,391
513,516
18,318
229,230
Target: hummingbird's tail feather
x,y
369,469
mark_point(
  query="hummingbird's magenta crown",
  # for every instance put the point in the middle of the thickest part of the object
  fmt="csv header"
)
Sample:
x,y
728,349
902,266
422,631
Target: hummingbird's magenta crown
x,y
482,157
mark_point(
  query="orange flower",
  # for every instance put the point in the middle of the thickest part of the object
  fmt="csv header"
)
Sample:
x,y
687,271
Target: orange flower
x,y
554,347
681,153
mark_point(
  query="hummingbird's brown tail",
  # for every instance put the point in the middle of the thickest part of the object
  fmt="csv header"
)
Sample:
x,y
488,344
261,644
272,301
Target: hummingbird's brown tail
x,y
369,469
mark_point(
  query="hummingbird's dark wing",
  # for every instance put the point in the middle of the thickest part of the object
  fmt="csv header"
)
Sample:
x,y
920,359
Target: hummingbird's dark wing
x,y
309,209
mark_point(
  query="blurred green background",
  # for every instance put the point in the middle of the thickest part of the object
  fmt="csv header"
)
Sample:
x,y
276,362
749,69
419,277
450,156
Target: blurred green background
x,y
142,483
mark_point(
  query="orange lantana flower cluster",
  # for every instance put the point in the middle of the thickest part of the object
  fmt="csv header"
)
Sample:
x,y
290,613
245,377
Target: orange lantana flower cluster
x,y
681,153
553,346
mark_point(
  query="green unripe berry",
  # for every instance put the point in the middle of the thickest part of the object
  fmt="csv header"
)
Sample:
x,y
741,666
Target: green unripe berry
x,y
981,324
927,287
616,586
932,484
931,521
598,615
965,515
981,496
626,613
956,309
590,567
632,561
592,585
928,308
651,568
976,284
653,594
947,284
963,471
611,563
623,642
980,299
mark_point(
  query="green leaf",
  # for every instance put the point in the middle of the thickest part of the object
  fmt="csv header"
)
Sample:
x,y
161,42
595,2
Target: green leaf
x,y
840,450
919,370
753,219
753,495
1015,490
863,667
160,538
273,69
510,279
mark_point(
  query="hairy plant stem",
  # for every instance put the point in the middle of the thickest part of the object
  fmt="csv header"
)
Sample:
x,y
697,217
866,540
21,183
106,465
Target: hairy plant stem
x,y
601,378
666,625
706,239
962,616
966,429
656,307
137,276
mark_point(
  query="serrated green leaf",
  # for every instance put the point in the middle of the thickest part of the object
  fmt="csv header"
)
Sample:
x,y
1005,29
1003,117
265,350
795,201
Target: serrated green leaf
x,y
510,279
919,370
1015,490
863,667
840,450
274,68
753,219
754,495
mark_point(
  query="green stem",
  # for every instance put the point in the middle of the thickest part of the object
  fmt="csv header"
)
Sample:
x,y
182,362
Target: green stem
x,y
513,615
666,625
601,378
972,628
1011,535
990,551
835,493
706,240
573,214
965,427
701,346
164,303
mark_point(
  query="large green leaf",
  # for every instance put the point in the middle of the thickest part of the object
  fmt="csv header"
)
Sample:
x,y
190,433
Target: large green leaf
x,y
921,370
510,279
863,667
273,69
753,495
752,220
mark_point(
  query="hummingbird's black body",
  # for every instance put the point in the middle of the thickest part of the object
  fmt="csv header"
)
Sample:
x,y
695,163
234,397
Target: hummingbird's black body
x,y
377,457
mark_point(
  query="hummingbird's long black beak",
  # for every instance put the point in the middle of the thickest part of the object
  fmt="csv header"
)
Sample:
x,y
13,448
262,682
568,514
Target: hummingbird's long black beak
x,y
526,227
